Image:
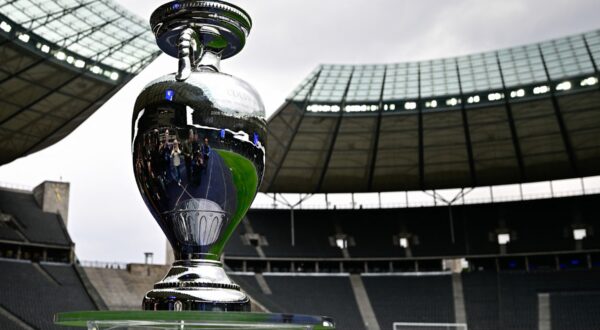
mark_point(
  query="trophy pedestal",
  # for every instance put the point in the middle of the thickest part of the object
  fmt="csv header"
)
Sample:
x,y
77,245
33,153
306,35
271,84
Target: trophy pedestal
x,y
190,320
199,285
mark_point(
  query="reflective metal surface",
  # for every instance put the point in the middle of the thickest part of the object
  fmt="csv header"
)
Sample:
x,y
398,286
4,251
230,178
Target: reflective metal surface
x,y
222,25
198,157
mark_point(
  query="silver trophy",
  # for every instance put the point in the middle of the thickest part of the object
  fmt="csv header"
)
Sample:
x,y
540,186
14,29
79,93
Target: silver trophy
x,y
198,152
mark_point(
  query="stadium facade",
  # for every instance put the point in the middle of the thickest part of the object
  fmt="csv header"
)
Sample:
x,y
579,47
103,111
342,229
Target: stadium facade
x,y
512,116
523,114
59,62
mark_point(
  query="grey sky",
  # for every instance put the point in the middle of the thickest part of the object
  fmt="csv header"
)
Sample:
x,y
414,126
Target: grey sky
x,y
108,220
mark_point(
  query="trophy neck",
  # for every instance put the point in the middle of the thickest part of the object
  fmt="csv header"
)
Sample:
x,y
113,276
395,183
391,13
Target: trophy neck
x,y
210,60
199,50
185,256
197,262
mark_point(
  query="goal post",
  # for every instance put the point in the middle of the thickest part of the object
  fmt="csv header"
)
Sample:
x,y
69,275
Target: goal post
x,y
428,326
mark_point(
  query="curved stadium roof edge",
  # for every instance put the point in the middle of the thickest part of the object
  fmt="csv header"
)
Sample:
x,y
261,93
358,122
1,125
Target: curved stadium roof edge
x,y
59,62
519,114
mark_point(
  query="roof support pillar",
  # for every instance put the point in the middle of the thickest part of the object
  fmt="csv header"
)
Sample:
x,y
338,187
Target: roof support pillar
x,y
467,131
420,134
511,124
589,52
289,144
375,144
335,134
594,64
559,119
292,226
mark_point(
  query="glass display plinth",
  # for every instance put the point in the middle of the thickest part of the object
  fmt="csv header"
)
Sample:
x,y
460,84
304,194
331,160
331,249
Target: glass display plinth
x,y
98,320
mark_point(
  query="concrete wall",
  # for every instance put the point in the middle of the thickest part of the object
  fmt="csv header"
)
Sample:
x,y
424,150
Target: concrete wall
x,y
124,289
53,197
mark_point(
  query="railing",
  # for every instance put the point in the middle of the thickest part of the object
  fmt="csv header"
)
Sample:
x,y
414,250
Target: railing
x,y
103,264
15,186
415,199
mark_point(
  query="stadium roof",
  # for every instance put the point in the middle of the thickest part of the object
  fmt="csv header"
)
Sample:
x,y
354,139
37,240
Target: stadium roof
x,y
59,62
523,114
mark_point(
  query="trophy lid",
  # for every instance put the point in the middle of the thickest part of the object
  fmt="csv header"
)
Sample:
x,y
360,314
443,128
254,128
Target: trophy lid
x,y
220,25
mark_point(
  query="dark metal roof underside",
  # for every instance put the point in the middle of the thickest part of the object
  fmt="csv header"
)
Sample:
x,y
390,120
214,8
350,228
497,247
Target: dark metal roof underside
x,y
49,84
502,120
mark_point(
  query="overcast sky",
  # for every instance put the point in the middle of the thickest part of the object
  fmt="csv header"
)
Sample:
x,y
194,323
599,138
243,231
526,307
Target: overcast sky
x,y
108,219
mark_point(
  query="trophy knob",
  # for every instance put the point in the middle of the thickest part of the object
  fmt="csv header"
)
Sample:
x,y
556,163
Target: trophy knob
x,y
219,26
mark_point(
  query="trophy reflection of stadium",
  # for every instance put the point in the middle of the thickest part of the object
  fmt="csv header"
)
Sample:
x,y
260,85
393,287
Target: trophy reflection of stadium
x,y
417,260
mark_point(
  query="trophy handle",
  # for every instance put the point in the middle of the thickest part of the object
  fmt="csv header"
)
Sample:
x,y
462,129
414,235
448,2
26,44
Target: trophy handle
x,y
187,48
193,53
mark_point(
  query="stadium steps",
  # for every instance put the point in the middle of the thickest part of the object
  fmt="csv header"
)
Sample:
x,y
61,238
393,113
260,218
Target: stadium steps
x,y
45,274
89,287
9,321
364,304
262,283
124,289
251,287
249,230
460,314
327,295
544,317
410,298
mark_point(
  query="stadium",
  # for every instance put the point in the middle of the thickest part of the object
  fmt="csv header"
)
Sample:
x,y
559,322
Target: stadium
x,y
411,195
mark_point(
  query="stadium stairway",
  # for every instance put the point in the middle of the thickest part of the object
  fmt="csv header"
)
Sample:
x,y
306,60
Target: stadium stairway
x,y
364,304
323,294
123,289
415,298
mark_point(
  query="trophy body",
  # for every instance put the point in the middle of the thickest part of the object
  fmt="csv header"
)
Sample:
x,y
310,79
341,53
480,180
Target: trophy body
x,y
198,153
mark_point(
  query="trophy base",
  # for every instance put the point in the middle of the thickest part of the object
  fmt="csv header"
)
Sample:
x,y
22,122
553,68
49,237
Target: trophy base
x,y
101,320
196,285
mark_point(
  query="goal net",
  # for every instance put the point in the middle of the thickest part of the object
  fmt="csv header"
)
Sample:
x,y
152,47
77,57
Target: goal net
x,y
429,326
